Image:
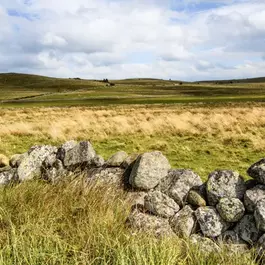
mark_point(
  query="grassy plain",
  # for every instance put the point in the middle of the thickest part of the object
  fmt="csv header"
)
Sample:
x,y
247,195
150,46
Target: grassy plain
x,y
67,224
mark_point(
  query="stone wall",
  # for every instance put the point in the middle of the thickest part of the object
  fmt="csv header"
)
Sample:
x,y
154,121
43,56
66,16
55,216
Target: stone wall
x,y
225,210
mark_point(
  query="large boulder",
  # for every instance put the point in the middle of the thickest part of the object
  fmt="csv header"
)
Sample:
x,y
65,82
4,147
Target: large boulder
x,y
4,161
149,223
224,183
259,215
252,196
257,171
183,223
30,167
117,159
247,230
148,170
231,209
178,183
160,204
211,223
81,156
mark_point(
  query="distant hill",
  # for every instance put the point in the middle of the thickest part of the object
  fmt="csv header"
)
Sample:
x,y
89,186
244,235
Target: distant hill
x,y
229,81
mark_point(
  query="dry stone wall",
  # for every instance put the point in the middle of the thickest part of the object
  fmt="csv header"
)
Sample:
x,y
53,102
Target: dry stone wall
x,y
223,210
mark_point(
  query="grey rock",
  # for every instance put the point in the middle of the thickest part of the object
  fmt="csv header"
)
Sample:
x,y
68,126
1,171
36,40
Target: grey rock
x,y
64,148
211,223
7,176
178,183
98,161
259,215
160,204
129,161
184,222
252,196
4,161
31,166
149,223
16,159
231,209
232,249
224,183
196,199
205,245
80,156
108,176
257,171
230,237
136,199
53,171
148,170
247,230
117,159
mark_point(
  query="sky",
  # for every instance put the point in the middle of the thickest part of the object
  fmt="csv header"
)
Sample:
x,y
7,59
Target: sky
x,y
170,39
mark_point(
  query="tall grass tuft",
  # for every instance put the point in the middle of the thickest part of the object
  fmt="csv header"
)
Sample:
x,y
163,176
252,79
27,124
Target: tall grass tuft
x,y
69,223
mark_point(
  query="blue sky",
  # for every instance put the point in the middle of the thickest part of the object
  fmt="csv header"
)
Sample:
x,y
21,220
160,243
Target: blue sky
x,y
187,40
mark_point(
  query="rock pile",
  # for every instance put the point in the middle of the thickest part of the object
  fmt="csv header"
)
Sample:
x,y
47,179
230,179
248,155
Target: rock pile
x,y
223,210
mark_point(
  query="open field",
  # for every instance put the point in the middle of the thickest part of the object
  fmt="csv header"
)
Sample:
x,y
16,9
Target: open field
x,y
200,138
67,224
18,90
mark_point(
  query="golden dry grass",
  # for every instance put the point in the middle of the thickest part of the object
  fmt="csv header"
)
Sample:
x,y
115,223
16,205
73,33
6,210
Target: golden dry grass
x,y
67,123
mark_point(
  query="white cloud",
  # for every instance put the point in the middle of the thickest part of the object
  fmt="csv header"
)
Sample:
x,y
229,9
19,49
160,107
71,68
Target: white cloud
x,y
97,39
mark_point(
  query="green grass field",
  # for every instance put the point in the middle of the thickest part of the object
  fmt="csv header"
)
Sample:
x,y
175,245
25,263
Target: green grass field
x,y
19,90
203,126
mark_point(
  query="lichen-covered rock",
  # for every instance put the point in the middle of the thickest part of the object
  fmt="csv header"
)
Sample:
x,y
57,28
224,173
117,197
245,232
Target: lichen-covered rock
x,y
109,176
30,167
4,161
7,175
117,159
64,148
230,237
211,223
80,156
224,183
16,159
178,183
231,209
257,171
183,223
149,223
252,196
148,170
247,230
160,204
259,215
196,199
204,244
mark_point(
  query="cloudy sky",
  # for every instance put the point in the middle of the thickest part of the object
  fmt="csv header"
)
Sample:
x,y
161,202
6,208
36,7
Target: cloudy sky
x,y
178,39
